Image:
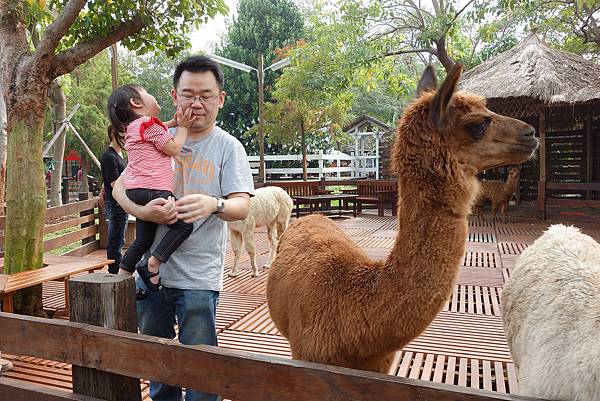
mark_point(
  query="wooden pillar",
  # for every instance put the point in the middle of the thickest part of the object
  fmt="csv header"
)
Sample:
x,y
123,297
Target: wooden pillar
x,y
541,201
589,148
105,300
84,196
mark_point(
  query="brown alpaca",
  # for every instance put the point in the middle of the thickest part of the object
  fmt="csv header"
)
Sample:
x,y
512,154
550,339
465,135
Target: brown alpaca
x,y
498,192
334,304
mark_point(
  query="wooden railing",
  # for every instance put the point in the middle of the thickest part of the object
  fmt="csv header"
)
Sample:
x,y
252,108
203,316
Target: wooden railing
x,y
232,374
544,200
84,222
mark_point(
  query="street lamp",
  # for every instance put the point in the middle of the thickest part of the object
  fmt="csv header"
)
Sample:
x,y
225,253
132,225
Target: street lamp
x,y
260,72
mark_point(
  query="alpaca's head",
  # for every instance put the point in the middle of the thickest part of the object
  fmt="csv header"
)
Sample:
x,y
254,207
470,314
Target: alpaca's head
x,y
513,173
444,132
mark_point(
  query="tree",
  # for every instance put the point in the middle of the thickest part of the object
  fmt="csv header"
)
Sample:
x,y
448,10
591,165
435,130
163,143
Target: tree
x,y
570,25
71,32
155,74
408,27
261,26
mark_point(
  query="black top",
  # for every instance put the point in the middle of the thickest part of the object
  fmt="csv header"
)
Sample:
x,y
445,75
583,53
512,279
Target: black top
x,y
112,167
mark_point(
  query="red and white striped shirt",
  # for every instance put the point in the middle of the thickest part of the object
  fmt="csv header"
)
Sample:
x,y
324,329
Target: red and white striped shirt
x,y
147,165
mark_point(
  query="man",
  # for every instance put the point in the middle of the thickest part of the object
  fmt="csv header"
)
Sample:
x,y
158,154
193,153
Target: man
x,y
213,184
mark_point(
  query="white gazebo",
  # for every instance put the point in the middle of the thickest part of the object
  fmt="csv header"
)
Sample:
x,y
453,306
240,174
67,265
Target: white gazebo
x,y
367,132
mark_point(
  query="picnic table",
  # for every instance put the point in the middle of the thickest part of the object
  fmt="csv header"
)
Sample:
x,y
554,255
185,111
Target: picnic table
x,y
57,268
315,201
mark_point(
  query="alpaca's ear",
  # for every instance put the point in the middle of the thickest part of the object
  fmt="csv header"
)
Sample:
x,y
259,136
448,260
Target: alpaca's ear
x,y
439,106
428,81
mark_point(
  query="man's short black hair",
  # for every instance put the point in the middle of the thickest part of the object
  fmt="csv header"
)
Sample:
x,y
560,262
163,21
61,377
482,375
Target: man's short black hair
x,y
199,64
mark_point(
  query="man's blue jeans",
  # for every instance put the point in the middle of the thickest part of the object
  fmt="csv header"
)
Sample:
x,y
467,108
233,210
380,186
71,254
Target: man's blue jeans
x,y
195,311
117,223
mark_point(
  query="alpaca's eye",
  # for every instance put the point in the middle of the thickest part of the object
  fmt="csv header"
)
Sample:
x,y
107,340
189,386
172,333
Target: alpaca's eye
x,y
476,131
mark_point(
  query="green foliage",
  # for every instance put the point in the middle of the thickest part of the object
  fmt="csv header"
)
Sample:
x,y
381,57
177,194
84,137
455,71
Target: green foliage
x,y
155,74
90,85
261,27
167,22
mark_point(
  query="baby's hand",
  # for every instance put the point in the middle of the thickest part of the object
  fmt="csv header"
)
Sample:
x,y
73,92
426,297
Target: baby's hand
x,y
184,119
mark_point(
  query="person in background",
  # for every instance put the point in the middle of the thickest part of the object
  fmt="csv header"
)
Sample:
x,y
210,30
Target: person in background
x,y
112,164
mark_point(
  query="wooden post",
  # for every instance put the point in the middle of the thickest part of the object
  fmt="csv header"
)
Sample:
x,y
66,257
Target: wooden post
x,y
105,300
261,121
541,201
589,146
85,196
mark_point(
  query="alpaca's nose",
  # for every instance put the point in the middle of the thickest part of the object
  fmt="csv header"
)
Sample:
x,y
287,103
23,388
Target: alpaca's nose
x,y
528,133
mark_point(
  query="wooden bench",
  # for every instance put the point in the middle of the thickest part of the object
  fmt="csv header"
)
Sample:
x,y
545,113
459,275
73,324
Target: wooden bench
x,y
300,188
58,268
376,192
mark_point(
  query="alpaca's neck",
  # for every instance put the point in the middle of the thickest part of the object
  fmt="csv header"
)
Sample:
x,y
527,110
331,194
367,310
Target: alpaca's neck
x,y
510,187
432,232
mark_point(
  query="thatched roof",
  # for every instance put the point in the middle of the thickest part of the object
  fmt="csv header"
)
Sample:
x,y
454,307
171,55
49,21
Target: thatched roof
x,y
533,70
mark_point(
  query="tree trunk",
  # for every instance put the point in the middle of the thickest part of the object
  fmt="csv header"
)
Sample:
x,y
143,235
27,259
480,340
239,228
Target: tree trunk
x,y
26,100
3,145
26,206
442,54
59,102
304,152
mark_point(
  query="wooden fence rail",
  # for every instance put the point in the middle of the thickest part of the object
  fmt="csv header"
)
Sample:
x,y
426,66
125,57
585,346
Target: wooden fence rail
x,y
85,222
545,199
232,374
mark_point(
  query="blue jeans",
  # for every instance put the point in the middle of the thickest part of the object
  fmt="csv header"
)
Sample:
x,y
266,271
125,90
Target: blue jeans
x,y
117,223
195,311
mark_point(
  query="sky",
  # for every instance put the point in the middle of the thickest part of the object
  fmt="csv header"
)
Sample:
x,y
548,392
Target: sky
x,y
209,34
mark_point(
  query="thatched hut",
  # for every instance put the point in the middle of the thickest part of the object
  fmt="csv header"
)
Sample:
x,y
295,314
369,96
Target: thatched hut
x,y
559,94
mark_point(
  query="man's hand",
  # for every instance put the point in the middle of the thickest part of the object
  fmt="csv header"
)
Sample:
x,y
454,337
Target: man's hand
x,y
194,207
160,211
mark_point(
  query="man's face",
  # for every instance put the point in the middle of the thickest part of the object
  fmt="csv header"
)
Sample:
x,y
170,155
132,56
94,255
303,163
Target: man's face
x,y
200,92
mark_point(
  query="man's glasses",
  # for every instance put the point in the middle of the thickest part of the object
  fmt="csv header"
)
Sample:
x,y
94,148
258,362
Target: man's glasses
x,y
205,100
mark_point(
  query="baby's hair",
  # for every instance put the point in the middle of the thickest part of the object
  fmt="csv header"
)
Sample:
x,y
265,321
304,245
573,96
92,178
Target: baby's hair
x,y
118,137
120,113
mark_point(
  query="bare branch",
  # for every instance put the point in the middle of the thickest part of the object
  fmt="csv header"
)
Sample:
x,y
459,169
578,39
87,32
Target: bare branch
x,y
69,59
430,50
54,33
462,9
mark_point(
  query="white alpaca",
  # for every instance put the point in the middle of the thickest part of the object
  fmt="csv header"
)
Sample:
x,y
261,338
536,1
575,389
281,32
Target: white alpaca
x,y
271,207
551,311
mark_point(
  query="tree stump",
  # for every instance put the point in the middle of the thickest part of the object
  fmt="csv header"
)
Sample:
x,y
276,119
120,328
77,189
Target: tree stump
x,y
105,300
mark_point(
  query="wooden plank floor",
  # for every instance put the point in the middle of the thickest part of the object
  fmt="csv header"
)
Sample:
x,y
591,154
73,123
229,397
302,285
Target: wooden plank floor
x,y
464,345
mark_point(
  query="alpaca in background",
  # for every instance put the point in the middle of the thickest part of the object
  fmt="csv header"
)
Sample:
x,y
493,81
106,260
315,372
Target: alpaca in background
x,y
271,207
498,192
551,314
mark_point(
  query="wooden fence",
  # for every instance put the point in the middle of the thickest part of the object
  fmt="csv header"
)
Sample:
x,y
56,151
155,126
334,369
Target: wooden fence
x,y
232,374
82,218
556,197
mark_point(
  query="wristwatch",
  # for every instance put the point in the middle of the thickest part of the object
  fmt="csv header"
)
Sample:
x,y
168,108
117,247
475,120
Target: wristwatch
x,y
220,205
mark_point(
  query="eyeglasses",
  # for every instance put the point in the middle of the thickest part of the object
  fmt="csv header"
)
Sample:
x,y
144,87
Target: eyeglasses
x,y
192,99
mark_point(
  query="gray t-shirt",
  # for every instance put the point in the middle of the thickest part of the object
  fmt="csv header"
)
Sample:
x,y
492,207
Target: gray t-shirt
x,y
216,165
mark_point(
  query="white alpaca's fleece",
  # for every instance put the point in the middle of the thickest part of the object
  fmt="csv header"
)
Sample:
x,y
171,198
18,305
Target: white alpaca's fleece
x,y
271,207
551,312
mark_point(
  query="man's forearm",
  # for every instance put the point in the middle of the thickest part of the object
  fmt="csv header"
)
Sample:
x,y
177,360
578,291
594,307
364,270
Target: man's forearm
x,y
236,208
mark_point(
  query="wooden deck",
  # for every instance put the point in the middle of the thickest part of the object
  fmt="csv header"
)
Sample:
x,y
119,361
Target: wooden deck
x,y
465,344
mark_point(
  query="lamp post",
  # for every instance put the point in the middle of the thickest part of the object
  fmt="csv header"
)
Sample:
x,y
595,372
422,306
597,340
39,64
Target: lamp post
x,y
260,73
